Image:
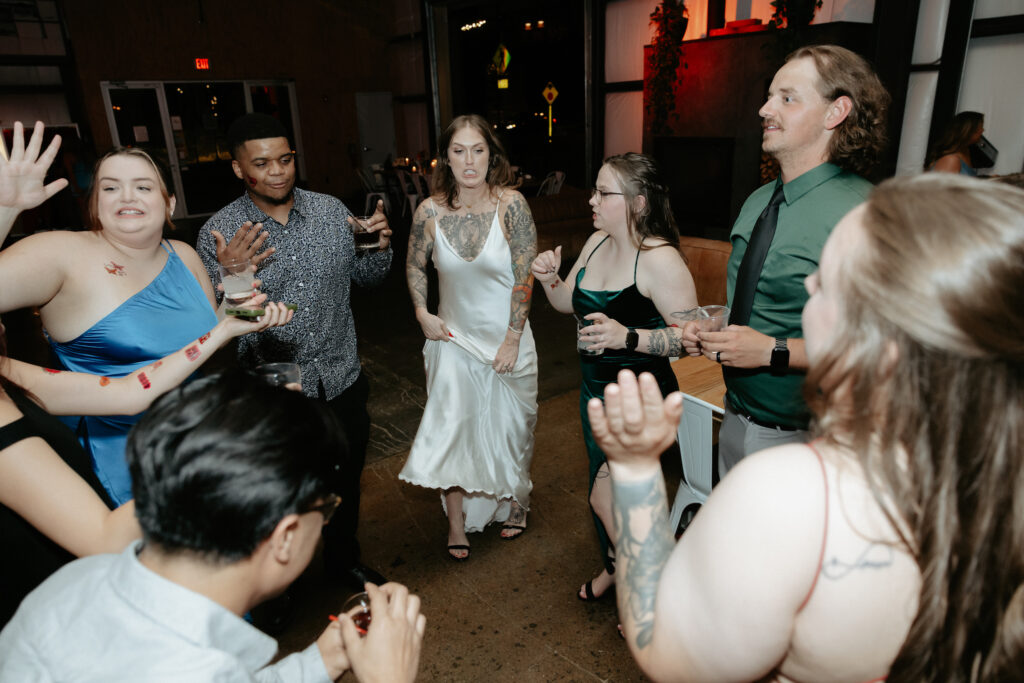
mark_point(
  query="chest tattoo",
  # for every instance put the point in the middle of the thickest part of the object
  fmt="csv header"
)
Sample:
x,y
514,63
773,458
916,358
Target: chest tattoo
x,y
114,269
467,234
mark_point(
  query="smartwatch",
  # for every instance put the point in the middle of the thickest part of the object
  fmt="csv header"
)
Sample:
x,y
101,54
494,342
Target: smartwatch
x,y
632,339
780,357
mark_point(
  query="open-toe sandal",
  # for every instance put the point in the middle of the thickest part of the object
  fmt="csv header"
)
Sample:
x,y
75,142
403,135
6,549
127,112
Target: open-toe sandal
x,y
516,522
588,591
458,547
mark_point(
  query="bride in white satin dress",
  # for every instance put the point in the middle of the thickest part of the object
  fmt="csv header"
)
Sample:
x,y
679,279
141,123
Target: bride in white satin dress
x,y
475,440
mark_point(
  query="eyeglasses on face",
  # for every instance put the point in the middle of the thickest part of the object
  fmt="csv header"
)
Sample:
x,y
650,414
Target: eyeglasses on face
x,y
327,507
599,195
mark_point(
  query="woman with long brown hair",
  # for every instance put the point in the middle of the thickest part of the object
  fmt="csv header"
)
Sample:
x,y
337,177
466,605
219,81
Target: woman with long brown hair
x,y
631,286
951,152
892,546
475,440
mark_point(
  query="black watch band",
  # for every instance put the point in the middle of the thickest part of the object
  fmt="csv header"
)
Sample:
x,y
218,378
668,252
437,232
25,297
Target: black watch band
x,y
632,339
780,356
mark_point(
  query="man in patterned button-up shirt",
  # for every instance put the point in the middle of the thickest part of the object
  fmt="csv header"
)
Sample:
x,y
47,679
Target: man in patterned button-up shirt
x,y
310,260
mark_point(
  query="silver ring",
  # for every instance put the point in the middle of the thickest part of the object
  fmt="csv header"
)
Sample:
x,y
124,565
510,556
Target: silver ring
x,y
718,356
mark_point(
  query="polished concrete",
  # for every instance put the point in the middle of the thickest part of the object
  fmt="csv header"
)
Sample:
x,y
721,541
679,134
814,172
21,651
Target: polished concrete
x,y
510,612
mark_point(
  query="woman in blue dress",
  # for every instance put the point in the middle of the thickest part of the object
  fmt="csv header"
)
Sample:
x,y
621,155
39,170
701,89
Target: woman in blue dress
x,y
116,298
631,286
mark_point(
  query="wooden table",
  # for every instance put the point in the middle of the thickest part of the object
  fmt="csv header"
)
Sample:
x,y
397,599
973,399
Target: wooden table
x,y
701,378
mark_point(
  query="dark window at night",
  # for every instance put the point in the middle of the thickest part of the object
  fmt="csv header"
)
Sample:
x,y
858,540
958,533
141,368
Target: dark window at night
x,y
544,41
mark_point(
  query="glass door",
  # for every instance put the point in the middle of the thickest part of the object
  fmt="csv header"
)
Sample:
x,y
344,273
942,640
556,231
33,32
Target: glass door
x,y
137,116
184,126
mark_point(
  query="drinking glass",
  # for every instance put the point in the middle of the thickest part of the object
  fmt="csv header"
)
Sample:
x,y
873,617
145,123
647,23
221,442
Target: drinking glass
x,y
363,236
358,608
584,346
237,275
713,318
286,375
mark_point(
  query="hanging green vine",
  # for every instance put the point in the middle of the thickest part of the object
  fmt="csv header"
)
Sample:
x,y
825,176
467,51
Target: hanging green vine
x,y
670,18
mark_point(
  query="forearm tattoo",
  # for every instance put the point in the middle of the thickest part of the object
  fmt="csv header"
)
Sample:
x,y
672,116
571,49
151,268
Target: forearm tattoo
x,y
420,249
643,545
665,342
522,241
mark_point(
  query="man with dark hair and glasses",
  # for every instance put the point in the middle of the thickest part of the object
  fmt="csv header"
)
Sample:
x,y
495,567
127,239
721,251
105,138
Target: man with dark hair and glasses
x,y
231,507
308,258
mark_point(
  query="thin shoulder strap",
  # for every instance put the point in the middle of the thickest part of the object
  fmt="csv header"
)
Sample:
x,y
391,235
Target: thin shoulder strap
x,y
824,534
635,264
168,247
12,433
595,249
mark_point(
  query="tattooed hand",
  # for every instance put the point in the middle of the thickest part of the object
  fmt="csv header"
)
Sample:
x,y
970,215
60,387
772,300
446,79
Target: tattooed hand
x,y
634,425
433,327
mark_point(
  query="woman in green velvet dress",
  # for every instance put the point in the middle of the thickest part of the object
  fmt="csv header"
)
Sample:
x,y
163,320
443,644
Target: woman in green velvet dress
x,y
631,288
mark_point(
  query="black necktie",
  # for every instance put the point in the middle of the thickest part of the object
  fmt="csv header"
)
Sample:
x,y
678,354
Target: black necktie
x,y
753,260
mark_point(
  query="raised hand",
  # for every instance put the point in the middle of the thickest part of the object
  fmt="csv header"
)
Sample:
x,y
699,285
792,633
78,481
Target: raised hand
x,y
244,244
22,176
635,425
545,266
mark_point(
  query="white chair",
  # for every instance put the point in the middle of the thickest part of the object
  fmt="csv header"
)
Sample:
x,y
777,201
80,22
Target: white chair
x,y
695,442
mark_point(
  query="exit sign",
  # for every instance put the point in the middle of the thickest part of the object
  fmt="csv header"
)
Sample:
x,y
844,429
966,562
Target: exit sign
x,y
202,63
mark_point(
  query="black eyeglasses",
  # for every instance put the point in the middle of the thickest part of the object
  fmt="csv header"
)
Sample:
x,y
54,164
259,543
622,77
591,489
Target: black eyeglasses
x,y
327,507
601,194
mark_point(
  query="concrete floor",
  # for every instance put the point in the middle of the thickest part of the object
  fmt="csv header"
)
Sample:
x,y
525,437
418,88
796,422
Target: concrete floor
x,y
509,613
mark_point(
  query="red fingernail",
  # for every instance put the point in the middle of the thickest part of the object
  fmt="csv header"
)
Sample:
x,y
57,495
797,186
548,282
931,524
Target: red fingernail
x,y
451,335
332,617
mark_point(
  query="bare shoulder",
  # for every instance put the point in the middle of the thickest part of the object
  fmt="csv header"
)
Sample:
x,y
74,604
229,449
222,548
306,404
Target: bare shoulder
x,y
185,251
8,411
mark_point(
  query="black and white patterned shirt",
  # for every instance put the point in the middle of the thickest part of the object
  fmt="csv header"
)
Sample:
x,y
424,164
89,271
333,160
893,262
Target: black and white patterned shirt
x,y
313,267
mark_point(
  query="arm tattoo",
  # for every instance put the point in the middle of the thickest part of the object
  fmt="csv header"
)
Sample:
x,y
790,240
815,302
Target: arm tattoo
x,y
643,545
521,234
664,342
420,249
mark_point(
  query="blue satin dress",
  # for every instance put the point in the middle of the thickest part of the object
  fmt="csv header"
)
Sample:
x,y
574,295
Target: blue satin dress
x,y
164,316
630,308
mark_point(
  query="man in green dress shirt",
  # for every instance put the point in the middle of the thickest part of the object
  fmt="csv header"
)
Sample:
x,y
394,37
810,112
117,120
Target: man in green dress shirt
x,y
824,122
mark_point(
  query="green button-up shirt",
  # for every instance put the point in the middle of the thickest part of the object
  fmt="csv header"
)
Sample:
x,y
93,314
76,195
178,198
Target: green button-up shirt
x,y
814,203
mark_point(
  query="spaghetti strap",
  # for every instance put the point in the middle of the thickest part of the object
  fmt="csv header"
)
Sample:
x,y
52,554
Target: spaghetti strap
x,y
635,264
824,534
167,247
587,263
16,431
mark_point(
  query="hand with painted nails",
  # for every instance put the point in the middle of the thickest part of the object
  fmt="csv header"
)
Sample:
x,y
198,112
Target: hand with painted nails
x,y
433,327
390,651
244,244
545,266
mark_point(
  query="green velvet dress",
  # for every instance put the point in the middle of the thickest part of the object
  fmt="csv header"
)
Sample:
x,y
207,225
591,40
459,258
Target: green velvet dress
x,y
630,308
